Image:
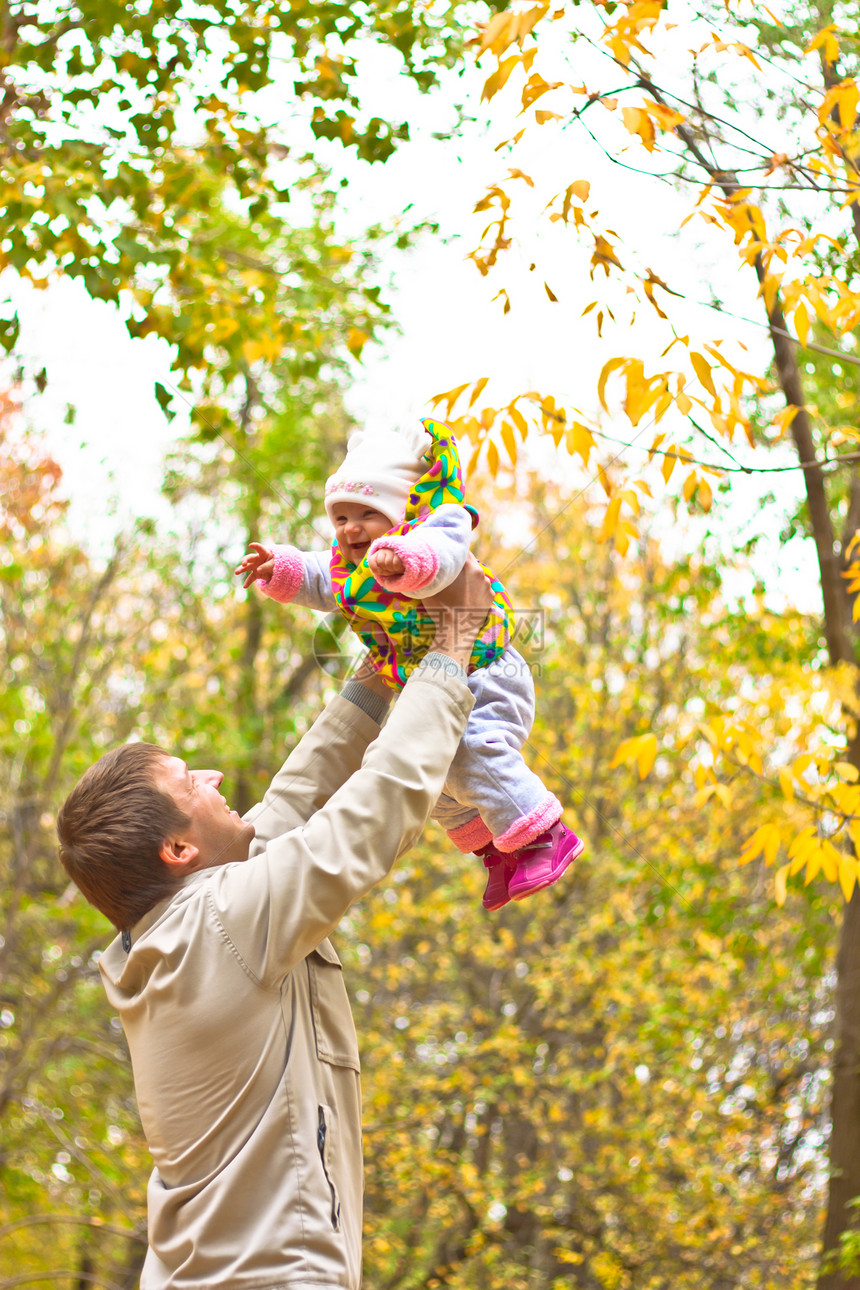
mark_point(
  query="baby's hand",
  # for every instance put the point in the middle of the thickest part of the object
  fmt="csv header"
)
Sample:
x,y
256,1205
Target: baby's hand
x,y
258,563
385,564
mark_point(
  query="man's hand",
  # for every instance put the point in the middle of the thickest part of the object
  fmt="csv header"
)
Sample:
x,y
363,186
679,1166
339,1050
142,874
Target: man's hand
x,y
461,611
385,564
258,563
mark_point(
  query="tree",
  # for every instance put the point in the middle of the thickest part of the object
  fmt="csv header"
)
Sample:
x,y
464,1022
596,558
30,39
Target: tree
x,y
177,170
689,116
69,639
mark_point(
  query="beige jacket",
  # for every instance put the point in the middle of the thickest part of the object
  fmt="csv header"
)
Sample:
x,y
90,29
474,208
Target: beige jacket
x,y
237,1018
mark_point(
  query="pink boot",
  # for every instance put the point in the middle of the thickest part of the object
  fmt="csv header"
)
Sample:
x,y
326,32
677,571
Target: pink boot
x,y
500,870
543,861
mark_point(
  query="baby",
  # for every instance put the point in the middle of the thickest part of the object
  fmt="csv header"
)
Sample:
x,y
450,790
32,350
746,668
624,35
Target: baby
x,y
402,531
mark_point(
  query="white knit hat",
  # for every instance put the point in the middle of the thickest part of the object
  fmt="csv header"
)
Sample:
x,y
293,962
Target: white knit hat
x,y
379,469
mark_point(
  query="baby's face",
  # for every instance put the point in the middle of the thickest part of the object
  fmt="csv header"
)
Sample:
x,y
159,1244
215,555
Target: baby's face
x,y
356,526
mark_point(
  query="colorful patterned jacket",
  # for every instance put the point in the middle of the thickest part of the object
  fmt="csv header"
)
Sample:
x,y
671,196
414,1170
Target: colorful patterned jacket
x,y
432,542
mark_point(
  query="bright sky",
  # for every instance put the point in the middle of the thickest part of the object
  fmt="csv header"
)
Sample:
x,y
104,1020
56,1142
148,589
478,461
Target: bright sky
x,y
450,330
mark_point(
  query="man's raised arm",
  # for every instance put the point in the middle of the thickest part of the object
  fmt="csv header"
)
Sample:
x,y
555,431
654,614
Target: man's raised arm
x,y
312,874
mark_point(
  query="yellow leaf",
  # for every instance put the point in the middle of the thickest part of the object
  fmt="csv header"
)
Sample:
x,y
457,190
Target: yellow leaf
x,y
786,783
480,386
604,255
253,278
845,770
830,860
580,441
223,329
548,289
724,794
519,421
449,396
641,748
610,519
624,753
702,368
580,188
492,458
849,96
847,875
526,21
646,754
356,339
499,32
535,88
785,416
507,433
702,796
801,322
813,864
779,884
823,37
803,847
252,350
667,118
639,122
608,368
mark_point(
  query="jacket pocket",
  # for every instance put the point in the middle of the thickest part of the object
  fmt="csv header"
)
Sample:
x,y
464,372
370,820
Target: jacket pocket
x,y
326,1147
334,1028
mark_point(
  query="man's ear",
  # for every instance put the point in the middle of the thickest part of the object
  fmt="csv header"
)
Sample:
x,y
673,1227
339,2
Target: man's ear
x,y
179,855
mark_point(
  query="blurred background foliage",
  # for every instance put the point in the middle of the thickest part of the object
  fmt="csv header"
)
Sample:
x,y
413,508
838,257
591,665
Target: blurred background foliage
x,y
620,1082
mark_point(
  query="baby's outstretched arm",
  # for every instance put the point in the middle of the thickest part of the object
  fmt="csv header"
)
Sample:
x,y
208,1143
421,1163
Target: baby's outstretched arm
x,y
290,576
258,563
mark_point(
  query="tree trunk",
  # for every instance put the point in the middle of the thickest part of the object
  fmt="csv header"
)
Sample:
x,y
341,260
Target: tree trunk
x,y
844,1149
845,1105
845,1094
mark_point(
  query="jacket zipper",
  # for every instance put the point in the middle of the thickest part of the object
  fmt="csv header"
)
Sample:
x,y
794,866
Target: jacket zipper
x,y
321,1144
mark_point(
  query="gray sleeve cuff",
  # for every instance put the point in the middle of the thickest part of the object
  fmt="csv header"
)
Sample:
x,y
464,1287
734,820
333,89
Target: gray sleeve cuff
x,y
442,663
375,705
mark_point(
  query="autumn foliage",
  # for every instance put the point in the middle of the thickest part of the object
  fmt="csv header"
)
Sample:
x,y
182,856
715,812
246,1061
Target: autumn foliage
x,y
648,1077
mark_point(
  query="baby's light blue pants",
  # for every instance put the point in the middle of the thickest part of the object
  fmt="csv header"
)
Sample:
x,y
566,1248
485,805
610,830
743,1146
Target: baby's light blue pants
x,y
488,777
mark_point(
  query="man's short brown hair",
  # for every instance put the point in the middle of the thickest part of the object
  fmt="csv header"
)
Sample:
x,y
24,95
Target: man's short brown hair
x,y
111,827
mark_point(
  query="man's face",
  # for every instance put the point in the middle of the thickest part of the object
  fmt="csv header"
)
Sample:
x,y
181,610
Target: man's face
x,y
218,834
356,526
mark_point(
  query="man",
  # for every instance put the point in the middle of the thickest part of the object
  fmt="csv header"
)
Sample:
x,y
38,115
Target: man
x,y
232,999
